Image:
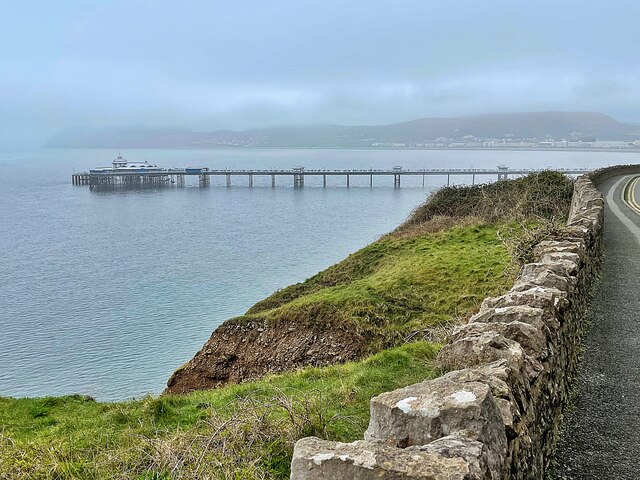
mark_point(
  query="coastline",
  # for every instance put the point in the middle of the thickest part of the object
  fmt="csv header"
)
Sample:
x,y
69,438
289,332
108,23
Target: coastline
x,y
251,427
372,149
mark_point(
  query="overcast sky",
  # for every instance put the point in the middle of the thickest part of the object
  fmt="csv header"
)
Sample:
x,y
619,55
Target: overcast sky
x,y
245,63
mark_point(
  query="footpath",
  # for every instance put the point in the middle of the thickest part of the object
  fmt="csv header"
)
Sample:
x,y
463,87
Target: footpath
x,y
602,434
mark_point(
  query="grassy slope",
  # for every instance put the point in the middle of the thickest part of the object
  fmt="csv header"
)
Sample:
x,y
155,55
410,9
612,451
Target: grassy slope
x,y
394,286
427,272
244,431
398,285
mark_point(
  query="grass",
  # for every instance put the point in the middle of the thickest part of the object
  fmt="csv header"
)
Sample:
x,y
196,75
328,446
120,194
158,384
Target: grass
x,y
453,251
461,246
399,285
241,431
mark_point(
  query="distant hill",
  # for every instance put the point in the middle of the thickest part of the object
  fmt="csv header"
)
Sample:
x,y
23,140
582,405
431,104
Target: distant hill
x,y
532,125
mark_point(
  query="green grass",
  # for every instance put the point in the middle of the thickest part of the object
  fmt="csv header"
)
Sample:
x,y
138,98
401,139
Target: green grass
x,y
399,285
242,431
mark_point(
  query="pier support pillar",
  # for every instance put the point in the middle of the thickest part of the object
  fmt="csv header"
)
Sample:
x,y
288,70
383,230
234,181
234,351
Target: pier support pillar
x,y
396,181
250,180
370,181
298,180
324,181
273,181
423,180
228,181
473,179
448,179
347,181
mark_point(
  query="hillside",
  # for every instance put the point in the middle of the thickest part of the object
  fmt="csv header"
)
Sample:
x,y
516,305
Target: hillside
x,y
531,125
406,289
385,292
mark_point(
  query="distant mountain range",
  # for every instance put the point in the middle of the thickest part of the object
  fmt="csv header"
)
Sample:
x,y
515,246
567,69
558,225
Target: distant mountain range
x,y
532,125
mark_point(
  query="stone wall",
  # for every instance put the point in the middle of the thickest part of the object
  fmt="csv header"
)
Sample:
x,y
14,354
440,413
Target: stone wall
x,y
496,413
600,176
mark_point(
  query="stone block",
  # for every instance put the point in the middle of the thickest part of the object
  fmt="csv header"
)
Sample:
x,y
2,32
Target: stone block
x,y
542,276
533,316
450,458
572,246
532,338
480,349
508,388
583,234
570,262
551,300
424,412
536,268
498,375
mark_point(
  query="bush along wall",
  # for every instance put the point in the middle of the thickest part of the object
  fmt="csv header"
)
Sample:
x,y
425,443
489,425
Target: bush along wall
x,y
495,413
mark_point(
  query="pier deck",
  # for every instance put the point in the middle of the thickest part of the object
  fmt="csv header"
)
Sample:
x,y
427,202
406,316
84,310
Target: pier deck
x,y
176,176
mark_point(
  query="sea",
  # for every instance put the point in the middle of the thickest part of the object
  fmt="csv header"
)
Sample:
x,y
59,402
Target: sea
x,y
107,293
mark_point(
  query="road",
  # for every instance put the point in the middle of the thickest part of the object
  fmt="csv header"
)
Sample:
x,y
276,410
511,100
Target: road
x,y
602,436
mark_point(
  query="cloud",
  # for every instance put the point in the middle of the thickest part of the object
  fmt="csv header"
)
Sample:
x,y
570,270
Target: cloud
x,y
214,64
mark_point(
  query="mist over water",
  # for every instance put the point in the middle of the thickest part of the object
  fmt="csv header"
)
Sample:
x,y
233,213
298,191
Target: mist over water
x,y
106,294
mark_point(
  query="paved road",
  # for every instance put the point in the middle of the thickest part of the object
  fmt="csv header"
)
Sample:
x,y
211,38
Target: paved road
x,y
602,437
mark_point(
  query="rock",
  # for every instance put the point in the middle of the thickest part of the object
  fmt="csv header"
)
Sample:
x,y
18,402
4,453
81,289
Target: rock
x,y
507,387
572,246
551,300
498,375
458,446
551,256
533,316
530,337
542,277
452,458
476,350
424,412
590,218
536,268
570,262
584,234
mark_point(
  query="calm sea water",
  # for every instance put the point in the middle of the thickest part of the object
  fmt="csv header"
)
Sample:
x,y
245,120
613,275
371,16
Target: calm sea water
x,y
106,294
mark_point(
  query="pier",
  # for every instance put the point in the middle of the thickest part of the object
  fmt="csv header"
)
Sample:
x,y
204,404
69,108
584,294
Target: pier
x,y
114,178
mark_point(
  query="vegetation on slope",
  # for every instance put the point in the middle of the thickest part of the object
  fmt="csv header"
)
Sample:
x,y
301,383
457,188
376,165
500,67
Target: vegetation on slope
x,y
452,252
399,285
244,431
436,267
545,195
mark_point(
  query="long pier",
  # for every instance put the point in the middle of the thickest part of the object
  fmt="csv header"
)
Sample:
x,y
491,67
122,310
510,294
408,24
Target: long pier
x,y
111,179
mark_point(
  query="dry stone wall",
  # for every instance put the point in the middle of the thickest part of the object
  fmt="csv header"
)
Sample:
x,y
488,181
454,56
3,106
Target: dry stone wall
x,y
496,413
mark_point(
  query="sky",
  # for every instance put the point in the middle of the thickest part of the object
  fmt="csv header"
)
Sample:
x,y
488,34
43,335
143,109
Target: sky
x,y
208,65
